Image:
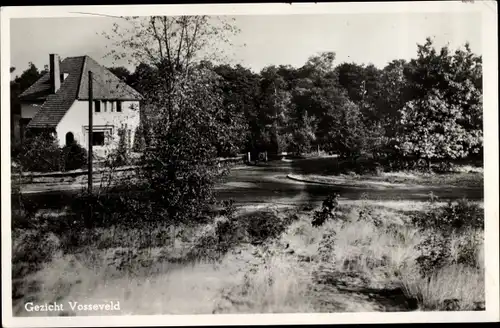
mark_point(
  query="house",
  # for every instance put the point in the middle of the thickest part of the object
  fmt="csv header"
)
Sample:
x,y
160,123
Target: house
x,y
59,102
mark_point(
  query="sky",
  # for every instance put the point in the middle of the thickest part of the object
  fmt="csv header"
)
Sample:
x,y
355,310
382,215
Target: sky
x,y
265,39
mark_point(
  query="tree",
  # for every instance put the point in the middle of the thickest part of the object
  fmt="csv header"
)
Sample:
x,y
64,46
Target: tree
x,y
443,118
17,86
122,73
275,108
351,78
183,108
240,88
393,95
303,132
342,130
431,129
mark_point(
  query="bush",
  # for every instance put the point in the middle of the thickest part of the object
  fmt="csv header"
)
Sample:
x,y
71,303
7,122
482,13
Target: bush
x,y
366,214
457,224
74,157
34,246
121,155
262,226
327,212
467,249
435,253
451,217
39,153
327,246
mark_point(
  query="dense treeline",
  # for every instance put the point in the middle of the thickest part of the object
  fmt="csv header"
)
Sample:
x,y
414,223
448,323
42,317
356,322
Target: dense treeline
x,y
428,108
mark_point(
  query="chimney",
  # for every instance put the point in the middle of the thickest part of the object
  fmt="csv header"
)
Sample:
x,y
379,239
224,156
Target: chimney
x,y
55,73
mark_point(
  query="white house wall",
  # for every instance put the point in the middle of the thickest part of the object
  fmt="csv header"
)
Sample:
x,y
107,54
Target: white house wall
x,y
76,121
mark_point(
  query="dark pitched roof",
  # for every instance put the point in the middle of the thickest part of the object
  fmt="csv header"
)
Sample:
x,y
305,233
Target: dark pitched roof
x,y
106,87
56,105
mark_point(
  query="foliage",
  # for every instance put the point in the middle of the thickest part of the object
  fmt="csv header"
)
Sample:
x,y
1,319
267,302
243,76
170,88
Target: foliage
x,y
120,156
442,225
328,211
342,130
240,88
186,122
74,157
431,129
262,225
40,153
326,248
34,247
452,217
443,117
435,253
122,73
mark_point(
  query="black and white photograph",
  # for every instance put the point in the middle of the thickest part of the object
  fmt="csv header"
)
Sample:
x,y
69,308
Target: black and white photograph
x,y
273,159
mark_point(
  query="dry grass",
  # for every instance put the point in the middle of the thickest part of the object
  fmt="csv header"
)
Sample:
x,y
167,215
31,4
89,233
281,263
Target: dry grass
x,y
384,258
145,271
453,282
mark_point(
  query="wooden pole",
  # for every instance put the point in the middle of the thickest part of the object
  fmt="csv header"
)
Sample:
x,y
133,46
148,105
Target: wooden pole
x,y
90,134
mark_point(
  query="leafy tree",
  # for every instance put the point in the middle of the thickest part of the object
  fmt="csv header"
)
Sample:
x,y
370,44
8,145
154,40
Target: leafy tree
x,y
351,77
275,105
443,120
342,129
393,95
28,77
121,72
184,109
19,84
303,133
240,88
431,129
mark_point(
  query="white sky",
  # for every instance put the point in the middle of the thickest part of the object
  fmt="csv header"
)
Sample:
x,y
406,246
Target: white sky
x,y
272,39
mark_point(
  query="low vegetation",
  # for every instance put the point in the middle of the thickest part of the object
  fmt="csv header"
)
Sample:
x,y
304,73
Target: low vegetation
x,y
334,258
40,152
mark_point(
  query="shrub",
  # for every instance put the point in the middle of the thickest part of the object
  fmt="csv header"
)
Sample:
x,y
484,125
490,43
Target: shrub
x,y
451,217
262,225
39,153
74,157
467,247
453,235
435,253
328,211
327,245
121,155
366,214
34,246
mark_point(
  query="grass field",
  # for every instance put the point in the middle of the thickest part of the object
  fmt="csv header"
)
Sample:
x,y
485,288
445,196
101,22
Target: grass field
x,y
367,259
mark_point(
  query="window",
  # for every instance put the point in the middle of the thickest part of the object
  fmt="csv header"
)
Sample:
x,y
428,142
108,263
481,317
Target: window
x,y
97,106
105,106
98,138
118,106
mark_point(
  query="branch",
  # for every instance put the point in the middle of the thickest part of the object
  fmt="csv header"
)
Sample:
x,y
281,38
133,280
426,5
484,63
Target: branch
x,y
157,37
167,45
180,42
190,45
